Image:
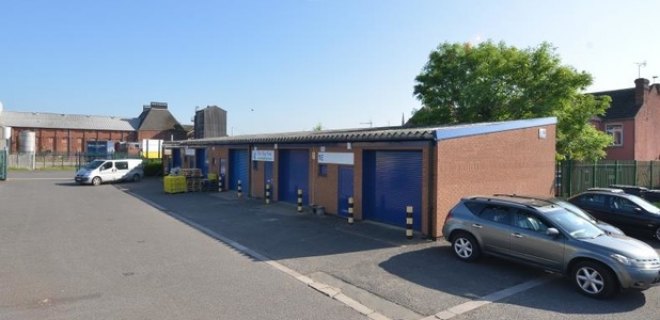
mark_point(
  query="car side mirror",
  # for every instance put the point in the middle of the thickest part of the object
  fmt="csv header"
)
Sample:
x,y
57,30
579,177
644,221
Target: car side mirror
x,y
553,232
638,210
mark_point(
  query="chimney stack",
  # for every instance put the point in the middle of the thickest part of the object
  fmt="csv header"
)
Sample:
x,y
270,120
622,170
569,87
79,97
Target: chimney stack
x,y
641,87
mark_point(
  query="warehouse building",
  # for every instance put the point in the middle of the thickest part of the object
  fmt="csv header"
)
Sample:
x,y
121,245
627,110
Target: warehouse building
x,y
384,170
68,134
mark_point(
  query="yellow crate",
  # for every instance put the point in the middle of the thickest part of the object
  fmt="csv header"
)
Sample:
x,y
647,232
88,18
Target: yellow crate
x,y
174,184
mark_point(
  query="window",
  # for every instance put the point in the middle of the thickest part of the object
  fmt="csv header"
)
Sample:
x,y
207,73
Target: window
x,y
622,205
525,220
121,165
616,131
323,170
592,200
496,214
107,165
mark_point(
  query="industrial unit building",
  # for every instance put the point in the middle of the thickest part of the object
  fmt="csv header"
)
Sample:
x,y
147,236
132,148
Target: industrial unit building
x,y
383,169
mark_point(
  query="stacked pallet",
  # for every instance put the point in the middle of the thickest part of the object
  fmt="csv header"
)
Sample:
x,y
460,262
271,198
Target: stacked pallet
x,y
193,179
174,184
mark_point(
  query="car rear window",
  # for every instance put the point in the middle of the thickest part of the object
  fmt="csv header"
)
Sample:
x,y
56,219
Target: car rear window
x,y
475,207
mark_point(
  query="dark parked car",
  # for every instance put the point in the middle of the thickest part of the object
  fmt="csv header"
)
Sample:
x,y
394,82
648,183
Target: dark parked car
x,y
543,234
631,213
608,228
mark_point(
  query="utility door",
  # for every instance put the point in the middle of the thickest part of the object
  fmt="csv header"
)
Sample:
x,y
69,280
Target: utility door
x,y
345,189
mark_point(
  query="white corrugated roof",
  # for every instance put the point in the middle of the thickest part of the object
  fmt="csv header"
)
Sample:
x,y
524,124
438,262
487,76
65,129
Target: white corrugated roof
x,y
66,121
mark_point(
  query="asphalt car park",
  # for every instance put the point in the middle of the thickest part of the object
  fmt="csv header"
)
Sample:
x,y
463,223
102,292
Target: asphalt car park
x,y
406,279
375,264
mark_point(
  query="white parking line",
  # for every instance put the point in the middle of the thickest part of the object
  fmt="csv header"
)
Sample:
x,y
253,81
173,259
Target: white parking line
x,y
488,299
332,292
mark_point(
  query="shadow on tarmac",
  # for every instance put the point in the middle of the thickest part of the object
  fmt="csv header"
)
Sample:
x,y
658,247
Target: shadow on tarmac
x,y
275,230
445,273
279,233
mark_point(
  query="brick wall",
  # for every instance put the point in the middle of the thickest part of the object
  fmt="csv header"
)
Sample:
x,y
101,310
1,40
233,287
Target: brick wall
x,y
647,127
63,141
627,150
166,135
324,189
515,161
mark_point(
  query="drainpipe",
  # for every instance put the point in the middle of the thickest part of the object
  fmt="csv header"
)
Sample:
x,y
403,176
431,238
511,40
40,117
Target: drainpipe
x,y
249,191
432,196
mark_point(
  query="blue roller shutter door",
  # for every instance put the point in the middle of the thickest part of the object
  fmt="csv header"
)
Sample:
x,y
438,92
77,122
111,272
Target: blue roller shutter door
x,y
392,180
345,189
200,161
293,175
238,170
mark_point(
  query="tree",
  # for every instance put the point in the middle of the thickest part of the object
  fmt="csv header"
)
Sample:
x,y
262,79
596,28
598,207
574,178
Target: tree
x,y
462,83
318,127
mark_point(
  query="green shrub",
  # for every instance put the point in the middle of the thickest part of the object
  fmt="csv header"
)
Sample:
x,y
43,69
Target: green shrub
x,y
153,168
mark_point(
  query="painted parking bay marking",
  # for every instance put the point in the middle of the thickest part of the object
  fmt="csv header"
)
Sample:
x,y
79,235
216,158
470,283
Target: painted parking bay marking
x,y
490,298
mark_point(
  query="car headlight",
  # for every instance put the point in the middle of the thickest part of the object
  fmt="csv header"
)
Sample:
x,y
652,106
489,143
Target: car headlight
x,y
622,259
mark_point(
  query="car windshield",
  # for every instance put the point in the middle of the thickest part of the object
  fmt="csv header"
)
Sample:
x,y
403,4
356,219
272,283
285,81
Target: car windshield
x,y
572,208
94,164
644,204
576,226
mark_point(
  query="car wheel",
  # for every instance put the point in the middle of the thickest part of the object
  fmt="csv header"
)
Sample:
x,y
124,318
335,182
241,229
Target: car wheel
x,y
594,280
136,177
465,247
96,181
657,234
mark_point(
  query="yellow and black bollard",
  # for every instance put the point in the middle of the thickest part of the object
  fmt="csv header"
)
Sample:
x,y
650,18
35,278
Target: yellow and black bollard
x,y
350,210
267,193
409,222
239,189
300,194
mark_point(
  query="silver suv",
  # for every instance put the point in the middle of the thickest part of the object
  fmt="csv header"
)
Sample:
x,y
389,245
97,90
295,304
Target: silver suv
x,y
543,234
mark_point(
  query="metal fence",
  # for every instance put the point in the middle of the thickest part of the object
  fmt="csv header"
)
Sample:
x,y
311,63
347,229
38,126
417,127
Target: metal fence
x,y
574,177
31,161
3,164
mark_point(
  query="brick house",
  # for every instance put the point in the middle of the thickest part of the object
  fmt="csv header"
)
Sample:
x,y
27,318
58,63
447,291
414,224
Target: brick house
x,y
633,119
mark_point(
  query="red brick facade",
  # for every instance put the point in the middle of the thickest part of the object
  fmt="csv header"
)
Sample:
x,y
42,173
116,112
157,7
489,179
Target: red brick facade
x,y
516,161
67,141
647,126
637,110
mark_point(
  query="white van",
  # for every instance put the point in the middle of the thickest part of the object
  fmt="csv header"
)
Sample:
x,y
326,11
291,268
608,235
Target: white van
x,y
99,171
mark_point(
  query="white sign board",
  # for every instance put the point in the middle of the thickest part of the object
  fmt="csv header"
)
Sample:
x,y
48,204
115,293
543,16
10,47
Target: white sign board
x,y
336,157
151,148
263,155
190,152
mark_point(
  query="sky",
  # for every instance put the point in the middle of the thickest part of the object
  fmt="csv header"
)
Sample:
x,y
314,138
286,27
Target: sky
x,y
290,65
